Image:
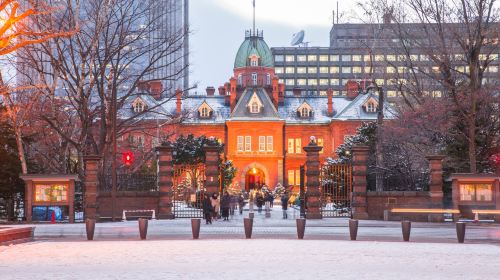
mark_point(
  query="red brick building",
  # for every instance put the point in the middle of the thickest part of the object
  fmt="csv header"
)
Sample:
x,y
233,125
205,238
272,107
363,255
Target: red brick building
x,y
263,130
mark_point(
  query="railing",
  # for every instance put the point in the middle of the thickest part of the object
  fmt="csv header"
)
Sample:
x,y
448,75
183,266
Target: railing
x,y
393,181
129,182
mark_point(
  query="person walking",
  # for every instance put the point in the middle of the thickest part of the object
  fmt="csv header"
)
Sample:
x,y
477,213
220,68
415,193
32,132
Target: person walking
x,y
284,205
259,199
234,204
215,206
207,209
241,203
225,204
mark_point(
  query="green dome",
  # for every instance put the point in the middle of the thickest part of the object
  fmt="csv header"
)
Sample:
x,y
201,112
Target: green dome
x,y
254,45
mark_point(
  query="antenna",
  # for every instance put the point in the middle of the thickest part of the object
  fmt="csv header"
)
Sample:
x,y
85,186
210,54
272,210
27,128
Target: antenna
x,y
337,12
298,38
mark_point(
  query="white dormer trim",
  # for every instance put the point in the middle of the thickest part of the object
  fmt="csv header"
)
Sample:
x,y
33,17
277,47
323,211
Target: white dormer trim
x,y
254,60
305,110
138,105
204,110
370,105
255,105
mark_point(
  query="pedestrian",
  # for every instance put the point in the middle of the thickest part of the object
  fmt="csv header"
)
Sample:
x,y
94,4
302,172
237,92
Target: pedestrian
x,y
284,205
269,198
259,199
225,204
207,209
241,203
215,206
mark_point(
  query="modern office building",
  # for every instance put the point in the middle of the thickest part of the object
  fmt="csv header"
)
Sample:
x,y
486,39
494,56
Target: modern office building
x,y
369,52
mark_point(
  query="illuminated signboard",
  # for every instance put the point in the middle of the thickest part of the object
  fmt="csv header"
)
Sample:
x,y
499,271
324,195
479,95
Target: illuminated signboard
x,y
51,193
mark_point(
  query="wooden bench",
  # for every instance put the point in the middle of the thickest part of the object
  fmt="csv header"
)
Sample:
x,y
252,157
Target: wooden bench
x,y
478,212
428,211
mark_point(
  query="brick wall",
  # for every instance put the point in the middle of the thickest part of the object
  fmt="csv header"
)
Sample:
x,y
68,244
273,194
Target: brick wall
x,y
377,202
127,201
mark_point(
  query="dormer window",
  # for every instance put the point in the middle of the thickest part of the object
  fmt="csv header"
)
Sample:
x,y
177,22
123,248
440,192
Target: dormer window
x,y
255,104
204,111
254,108
138,105
254,62
305,110
370,105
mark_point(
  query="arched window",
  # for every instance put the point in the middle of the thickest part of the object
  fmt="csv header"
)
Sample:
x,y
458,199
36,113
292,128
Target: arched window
x,y
138,107
204,112
268,79
240,79
254,108
254,79
305,112
370,107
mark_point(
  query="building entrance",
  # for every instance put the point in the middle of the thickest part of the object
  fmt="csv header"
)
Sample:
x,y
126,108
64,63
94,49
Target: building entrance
x,y
254,179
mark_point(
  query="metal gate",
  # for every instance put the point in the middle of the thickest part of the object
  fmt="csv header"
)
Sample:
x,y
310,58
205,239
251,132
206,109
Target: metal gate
x,y
187,192
336,189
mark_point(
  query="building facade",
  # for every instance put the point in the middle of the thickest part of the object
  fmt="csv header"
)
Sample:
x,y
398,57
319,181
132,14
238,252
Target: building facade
x,y
371,52
263,129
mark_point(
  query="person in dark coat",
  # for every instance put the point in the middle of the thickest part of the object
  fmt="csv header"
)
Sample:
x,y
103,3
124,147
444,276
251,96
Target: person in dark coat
x,y
241,203
207,209
259,199
225,205
284,205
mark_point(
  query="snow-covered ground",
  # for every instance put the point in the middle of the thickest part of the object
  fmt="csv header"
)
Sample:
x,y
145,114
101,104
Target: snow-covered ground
x,y
248,259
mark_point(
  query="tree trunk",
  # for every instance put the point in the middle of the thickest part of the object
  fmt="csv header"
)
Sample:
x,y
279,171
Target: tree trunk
x,y
472,146
20,149
379,156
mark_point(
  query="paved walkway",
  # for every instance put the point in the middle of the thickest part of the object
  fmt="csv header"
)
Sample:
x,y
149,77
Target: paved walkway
x,y
273,228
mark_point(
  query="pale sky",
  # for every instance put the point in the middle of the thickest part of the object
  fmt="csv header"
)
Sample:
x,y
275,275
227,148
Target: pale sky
x,y
218,28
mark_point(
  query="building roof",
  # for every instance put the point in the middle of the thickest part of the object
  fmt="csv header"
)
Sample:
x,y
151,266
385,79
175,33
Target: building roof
x,y
253,45
268,111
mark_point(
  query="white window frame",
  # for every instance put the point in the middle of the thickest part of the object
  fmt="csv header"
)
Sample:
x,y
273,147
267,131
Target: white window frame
x,y
262,143
240,144
254,79
254,108
240,79
248,143
268,79
204,113
270,145
291,146
298,145
370,107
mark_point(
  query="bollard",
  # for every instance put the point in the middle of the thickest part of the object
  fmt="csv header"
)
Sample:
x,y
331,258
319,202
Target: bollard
x,y
301,227
195,228
251,215
248,224
406,228
143,228
460,232
90,228
353,228
268,209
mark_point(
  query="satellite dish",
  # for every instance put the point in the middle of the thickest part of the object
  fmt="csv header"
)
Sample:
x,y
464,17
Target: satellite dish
x,y
298,38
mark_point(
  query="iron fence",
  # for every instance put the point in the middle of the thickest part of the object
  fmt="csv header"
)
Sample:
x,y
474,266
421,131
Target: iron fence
x,y
336,189
395,181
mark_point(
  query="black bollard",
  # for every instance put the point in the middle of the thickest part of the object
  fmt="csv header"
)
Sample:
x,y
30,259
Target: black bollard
x,y
248,224
90,228
301,227
353,228
460,232
195,228
143,228
406,228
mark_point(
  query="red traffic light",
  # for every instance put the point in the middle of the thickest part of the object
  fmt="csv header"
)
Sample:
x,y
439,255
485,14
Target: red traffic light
x,y
128,158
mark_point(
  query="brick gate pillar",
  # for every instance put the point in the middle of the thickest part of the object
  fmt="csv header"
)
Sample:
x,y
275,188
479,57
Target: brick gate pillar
x,y
436,179
313,193
359,167
165,181
91,206
211,168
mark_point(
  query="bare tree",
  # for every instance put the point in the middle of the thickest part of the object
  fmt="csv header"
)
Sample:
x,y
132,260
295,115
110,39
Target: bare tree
x,y
94,74
459,40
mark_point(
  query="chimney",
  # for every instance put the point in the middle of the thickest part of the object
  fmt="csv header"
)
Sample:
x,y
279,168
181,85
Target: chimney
x,y
143,86
210,91
155,89
275,92
227,96
178,103
232,88
222,91
329,93
352,89
297,91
